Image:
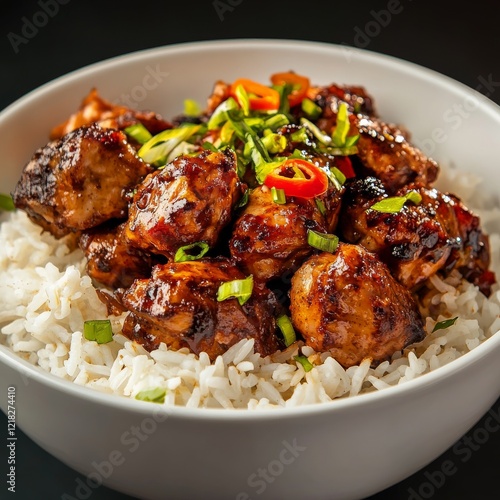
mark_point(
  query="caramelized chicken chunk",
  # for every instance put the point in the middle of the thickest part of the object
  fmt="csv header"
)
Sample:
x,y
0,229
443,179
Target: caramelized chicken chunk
x,y
348,303
110,260
385,150
79,181
96,109
269,238
386,153
419,240
356,97
178,306
189,201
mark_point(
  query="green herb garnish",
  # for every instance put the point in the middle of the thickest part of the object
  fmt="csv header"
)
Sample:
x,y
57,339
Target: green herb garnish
x,y
441,325
98,330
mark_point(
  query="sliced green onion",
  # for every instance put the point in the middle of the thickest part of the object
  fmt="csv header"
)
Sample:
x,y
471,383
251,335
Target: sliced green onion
x,y
321,136
138,132
243,99
244,199
285,325
306,364
284,91
320,205
191,107
441,325
157,149
345,151
338,175
274,143
183,254
351,141
300,135
276,121
6,203
98,330
210,146
322,241
156,395
239,289
311,109
278,196
220,114
395,204
339,134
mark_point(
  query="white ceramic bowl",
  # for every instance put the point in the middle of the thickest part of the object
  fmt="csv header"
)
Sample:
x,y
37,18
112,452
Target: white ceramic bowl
x,y
346,449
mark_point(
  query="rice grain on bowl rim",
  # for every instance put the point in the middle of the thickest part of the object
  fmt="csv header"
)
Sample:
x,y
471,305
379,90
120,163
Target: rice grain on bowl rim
x,y
47,296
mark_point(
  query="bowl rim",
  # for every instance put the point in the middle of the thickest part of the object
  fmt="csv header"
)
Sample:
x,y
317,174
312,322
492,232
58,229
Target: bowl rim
x,y
421,382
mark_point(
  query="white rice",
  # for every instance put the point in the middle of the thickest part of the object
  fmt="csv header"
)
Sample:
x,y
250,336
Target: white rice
x,y
45,296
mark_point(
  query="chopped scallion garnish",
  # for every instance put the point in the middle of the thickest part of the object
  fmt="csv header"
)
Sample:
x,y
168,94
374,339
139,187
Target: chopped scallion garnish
x,y
441,325
98,330
220,114
322,241
156,395
321,136
278,196
186,252
321,206
311,109
239,289
138,132
285,325
191,108
158,148
395,204
243,99
274,143
306,364
6,203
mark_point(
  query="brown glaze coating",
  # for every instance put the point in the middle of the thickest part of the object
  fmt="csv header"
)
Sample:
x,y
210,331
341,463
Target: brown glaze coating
x,y
189,201
110,260
384,149
178,305
440,233
269,238
348,303
79,181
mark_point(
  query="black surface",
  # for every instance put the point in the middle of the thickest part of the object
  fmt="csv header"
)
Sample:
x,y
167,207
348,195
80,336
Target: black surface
x,y
461,43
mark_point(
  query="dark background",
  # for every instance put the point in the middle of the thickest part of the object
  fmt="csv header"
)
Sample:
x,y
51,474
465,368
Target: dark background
x,y
462,43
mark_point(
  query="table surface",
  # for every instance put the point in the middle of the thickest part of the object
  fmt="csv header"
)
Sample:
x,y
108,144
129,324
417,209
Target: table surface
x,y
460,43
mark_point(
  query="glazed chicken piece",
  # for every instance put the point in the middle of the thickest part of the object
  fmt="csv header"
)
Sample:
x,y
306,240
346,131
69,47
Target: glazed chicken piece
x,y
384,149
269,238
418,241
189,201
356,97
79,181
178,306
110,260
348,303
108,115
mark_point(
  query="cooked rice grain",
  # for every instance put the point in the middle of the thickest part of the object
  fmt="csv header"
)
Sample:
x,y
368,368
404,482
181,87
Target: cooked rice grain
x,y
46,296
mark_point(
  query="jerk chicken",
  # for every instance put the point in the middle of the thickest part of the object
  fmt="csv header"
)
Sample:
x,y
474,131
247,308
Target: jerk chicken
x,y
271,203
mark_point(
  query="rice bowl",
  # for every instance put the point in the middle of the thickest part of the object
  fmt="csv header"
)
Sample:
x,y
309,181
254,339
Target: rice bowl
x,y
228,383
